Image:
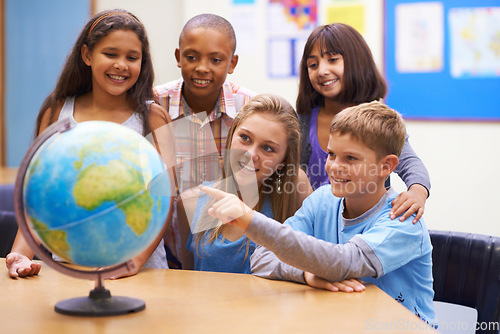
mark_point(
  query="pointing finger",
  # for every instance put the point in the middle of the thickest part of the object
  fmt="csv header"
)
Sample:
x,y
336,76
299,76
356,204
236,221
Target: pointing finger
x,y
215,193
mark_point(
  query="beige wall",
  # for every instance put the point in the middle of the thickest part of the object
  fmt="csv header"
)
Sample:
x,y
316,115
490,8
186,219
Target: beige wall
x,y
163,20
463,159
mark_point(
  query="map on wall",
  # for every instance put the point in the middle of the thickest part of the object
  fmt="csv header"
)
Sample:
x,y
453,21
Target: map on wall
x,y
419,37
289,23
475,42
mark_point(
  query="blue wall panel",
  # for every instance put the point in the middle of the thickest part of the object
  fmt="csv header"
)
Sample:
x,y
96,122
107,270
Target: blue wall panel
x,y
39,37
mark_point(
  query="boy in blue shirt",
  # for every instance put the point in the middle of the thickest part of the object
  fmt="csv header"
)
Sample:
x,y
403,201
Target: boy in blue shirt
x,y
343,230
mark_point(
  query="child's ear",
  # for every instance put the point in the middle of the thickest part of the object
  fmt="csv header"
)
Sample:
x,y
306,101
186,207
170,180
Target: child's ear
x,y
178,57
389,164
232,64
85,54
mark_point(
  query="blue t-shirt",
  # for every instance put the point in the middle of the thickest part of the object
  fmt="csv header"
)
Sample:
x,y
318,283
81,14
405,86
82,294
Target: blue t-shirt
x,y
222,255
402,250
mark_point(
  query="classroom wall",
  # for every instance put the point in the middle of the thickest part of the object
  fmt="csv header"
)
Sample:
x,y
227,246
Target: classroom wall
x,y
35,50
2,83
463,161
462,157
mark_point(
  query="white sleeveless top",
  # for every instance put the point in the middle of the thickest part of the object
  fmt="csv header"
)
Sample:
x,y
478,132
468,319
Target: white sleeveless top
x,y
68,109
159,257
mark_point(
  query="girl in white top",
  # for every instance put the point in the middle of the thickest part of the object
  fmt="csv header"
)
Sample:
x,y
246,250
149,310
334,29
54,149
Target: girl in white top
x,y
109,77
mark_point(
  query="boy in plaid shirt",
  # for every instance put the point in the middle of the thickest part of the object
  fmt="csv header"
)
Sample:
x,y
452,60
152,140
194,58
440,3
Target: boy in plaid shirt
x,y
202,104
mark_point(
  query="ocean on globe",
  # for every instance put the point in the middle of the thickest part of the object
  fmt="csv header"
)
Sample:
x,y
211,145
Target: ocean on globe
x,y
87,194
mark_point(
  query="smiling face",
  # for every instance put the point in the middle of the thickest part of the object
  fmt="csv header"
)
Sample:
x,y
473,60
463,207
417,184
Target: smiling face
x,y
353,169
326,71
115,61
258,147
205,57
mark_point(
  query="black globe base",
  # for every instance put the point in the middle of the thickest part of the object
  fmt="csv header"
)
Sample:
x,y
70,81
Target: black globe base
x,y
99,303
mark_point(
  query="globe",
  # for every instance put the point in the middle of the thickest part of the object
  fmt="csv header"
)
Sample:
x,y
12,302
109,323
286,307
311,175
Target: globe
x,y
95,195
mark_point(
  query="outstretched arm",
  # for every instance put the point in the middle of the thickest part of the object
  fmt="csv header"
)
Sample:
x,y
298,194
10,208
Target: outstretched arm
x,y
332,262
266,264
294,249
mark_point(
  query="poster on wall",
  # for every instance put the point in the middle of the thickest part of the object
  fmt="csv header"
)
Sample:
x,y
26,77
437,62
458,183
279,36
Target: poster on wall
x,y
244,19
289,23
475,42
351,13
419,37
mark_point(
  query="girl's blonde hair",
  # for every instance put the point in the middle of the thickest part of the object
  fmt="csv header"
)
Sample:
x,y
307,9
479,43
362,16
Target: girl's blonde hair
x,y
283,201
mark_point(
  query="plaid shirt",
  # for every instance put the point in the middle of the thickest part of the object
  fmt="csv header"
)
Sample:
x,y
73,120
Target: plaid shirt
x,y
200,140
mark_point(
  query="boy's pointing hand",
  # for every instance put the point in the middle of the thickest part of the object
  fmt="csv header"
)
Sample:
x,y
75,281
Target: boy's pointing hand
x,y
228,208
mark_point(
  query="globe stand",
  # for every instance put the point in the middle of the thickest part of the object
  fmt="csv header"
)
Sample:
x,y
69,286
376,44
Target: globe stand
x,y
99,302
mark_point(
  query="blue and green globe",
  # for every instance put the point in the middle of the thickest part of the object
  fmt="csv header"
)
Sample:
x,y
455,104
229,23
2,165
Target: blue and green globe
x,y
97,194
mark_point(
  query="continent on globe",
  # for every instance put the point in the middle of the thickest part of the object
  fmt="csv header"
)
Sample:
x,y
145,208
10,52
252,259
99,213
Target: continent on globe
x,y
57,239
116,182
88,194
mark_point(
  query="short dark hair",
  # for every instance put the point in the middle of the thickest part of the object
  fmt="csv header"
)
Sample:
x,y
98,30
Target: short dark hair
x,y
211,21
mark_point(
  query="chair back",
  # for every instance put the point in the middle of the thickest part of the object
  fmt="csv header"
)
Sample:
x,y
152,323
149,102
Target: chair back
x,y
8,224
6,197
8,230
466,271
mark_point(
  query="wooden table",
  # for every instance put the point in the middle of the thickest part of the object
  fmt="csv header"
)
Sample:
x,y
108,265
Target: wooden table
x,y
193,302
7,175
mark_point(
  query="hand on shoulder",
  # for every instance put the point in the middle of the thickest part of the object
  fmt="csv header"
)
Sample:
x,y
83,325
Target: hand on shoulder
x,y
410,202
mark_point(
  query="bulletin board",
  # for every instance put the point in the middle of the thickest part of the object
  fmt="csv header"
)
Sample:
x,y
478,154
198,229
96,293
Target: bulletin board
x,y
442,59
289,24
